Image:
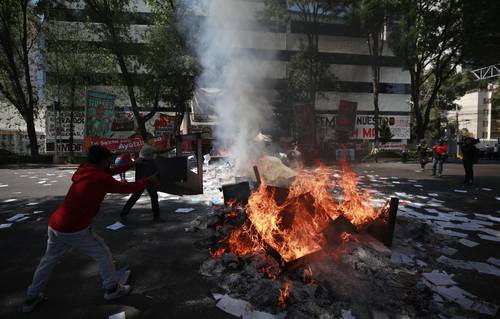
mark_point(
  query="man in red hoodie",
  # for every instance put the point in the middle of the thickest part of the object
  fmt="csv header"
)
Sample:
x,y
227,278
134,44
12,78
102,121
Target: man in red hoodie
x,y
69,226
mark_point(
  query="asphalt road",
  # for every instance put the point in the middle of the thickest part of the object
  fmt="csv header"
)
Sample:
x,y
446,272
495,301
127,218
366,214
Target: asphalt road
x,y
165,259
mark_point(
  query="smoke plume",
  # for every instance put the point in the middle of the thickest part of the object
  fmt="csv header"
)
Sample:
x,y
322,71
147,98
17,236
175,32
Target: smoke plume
x,y
242,109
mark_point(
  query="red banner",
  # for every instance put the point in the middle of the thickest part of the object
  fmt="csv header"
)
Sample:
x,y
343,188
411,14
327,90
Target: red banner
x,y
346,118
126,144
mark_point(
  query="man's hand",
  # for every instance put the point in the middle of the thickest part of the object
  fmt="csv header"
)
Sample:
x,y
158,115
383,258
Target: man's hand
x,y
153,181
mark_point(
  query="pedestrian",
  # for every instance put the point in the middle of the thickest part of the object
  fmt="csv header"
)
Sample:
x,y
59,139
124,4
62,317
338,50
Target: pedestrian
x,y
70,225
439,156
470,155
146,163
374,152
422,151
121,160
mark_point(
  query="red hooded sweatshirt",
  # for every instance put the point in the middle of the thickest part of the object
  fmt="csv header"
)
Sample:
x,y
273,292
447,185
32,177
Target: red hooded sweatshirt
x,y
81,204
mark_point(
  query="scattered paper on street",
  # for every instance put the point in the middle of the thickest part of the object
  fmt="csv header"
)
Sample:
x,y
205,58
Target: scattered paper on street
x,y
120,315
6,225
460,191
15,217
235,307
184,210
468,243
115,226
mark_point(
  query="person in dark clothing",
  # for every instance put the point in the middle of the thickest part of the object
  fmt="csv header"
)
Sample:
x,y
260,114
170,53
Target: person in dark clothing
x,y
422,150
469,156
146,163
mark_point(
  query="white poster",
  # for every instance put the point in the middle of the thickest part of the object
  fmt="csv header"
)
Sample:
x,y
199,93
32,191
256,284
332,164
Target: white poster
x,y
63,127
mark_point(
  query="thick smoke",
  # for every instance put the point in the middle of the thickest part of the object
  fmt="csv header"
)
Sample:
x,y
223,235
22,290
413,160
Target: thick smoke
x,y
242,109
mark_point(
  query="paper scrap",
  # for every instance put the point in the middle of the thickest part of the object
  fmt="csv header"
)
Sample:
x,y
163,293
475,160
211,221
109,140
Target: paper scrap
x,y
492,232
439,279
6,225
15,217
486,189
347,314
3,185
31,204
433,194
418,185
488,237
115,226
21,219
468,243
480,267
460,191
235,307
184,210
10,200
448,250
494,261
37,211
120,315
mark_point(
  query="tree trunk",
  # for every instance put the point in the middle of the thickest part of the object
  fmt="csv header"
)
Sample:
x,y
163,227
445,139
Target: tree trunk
x,y
375,83
30,127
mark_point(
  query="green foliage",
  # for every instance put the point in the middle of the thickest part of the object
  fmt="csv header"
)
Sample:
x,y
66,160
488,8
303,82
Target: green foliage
x,y
428,38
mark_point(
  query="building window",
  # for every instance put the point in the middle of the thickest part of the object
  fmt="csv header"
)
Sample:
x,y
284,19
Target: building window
x,y
485,123
486,100
485,135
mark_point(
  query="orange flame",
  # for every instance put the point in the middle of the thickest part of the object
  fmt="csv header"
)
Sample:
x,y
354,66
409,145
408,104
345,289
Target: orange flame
x,y
293,226
308,275
284,293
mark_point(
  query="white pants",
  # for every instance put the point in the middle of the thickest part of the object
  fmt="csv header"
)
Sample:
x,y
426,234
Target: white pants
x,y
59,243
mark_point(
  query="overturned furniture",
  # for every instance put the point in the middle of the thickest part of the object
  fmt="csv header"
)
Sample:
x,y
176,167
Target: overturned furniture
x,y
181,174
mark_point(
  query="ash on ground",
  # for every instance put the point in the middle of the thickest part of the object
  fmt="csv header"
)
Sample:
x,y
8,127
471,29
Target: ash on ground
x,y
361,279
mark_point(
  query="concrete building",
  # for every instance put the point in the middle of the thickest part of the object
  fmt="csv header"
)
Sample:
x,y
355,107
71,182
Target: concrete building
x,y
342,46
475,114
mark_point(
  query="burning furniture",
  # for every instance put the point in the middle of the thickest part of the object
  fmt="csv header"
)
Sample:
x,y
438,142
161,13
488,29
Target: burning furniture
x,y
299,222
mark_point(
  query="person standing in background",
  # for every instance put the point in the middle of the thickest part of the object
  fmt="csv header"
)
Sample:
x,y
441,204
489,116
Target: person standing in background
x,y
439,156
422,150
470,155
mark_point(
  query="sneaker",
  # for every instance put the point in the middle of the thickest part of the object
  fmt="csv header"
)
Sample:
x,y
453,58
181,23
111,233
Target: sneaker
x,y
30,304
120,291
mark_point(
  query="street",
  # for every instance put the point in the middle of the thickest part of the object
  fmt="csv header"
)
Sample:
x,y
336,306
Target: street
x,y
165,260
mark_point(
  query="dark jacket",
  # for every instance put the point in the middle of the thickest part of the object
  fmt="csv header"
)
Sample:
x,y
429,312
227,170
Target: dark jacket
x,y
470,153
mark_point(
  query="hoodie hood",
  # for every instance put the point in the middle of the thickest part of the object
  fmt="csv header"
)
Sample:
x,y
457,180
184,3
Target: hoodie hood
x,y
85,171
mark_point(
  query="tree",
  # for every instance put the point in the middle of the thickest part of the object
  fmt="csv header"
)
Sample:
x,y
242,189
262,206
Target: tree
x,y
373,16
169,61
19,35
307,71
169,69
70,62
428,39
